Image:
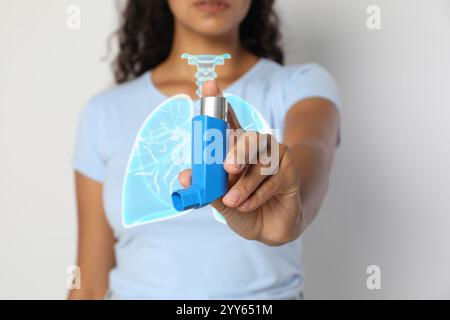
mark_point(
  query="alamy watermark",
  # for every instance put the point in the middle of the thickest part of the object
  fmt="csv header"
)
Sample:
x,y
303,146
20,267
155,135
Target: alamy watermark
x,y
73,21
373,21
73,280
244,147
373,281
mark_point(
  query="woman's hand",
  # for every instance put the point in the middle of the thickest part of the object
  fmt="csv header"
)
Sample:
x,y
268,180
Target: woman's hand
x,y
263,207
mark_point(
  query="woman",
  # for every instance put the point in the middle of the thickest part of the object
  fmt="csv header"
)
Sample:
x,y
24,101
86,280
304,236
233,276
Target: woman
x,y
256,255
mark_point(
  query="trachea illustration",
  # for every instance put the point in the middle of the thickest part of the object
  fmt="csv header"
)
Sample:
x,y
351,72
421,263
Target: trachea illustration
x,y
209,179
206,65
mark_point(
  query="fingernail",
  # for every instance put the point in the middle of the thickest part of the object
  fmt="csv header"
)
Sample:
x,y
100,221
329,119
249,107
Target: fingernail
x,y
232,196
229,160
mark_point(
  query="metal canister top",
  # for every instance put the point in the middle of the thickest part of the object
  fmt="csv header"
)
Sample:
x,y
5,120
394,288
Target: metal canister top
x,y
215,107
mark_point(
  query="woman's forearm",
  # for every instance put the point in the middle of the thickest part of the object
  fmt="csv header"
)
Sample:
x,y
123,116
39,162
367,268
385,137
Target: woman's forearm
x,y
96,241
87,294
314,160
311,134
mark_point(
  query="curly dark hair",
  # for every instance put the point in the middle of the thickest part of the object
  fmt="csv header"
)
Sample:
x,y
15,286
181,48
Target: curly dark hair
x,y
146,33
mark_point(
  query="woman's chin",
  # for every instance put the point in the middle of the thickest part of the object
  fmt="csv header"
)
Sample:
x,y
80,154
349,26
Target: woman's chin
x,y
213,28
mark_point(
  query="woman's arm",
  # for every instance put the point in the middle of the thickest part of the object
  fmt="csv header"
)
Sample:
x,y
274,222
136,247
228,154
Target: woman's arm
x,y
275,209
95,241
311,134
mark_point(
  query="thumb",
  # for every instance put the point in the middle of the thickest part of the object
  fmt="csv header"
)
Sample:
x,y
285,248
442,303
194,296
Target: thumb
x,y
232,119
211,89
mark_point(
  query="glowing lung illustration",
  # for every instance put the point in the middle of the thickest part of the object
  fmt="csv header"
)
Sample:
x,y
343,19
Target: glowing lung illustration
x,y
161,150
248,116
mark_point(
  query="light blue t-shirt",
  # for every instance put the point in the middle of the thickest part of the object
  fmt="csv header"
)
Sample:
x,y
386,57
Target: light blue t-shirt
x,y
191,256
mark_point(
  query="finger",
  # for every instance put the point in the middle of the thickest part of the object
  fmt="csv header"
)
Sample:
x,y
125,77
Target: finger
x,y
232,119
250,180
211,89
283,181
185,178
266,191
243,152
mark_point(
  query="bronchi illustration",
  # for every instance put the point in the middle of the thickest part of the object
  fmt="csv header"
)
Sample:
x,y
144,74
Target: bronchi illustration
x,y
162,149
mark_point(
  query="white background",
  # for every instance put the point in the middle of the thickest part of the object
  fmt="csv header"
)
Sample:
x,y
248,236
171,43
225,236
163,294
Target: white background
x,y
388,202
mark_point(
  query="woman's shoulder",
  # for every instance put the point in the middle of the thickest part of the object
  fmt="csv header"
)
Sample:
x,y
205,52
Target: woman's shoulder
x,y
121,94
287,73
294,82
290,78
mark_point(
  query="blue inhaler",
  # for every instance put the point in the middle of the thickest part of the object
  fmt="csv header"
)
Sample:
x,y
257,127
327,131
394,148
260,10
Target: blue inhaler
x,y
209,137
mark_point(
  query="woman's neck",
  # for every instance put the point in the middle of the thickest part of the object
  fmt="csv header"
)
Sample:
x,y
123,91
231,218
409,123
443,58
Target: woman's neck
x,y
175,74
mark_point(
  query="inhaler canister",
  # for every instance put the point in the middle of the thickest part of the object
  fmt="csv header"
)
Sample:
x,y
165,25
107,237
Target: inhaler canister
x,y
209,178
